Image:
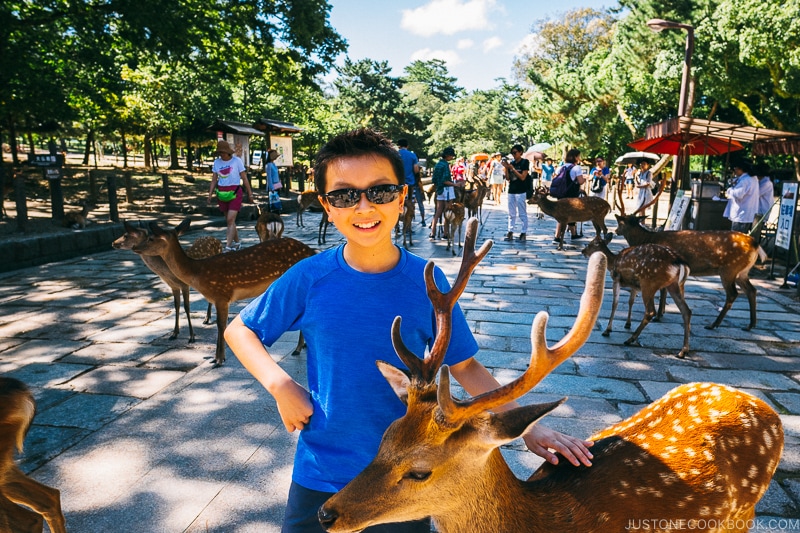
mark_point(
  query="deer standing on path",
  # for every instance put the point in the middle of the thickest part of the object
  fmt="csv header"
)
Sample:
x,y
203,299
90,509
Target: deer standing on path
x,y
204,246
648,268
311,199
269,225
453,217
17,408
226,278
702,452
569,210
728,254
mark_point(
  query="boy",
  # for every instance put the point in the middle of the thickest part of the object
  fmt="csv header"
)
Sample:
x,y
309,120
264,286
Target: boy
x,y
344,300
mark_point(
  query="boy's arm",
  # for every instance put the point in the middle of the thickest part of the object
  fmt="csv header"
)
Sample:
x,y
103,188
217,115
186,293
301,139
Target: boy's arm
x,y
475,379
294,403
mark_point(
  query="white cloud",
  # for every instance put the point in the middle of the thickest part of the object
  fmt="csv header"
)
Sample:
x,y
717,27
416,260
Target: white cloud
x,y
465,44
491,43
528,46
447,17
448,56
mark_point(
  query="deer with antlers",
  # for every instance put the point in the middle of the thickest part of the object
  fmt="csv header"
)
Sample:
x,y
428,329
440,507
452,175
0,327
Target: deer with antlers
x,y
649,268
202,247
17,408
728,254
225,278
702,451
568,210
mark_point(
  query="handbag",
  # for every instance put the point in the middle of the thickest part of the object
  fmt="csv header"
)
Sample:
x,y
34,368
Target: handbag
x,y
227,196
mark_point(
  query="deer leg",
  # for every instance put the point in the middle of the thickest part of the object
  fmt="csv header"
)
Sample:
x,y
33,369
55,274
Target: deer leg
x,y
45,500
614,302
176,301
208,315
676,291
16,519
631,300
187,308
662,304
730,295
222,323
301,341
750,291
649,313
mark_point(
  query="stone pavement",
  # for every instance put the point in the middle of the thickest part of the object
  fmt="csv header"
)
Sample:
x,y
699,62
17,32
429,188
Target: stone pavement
x,y
140,434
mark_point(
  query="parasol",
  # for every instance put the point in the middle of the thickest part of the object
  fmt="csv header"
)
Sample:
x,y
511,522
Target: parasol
x,y
480,156
532,155
695,144
634,157
539,147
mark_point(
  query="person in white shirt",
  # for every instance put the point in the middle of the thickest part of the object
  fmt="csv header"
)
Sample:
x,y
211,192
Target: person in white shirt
x,y
742,198
766,190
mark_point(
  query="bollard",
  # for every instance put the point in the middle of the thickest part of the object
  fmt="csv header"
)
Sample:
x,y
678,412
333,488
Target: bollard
x,y
165,186
113,209
93,173
54,175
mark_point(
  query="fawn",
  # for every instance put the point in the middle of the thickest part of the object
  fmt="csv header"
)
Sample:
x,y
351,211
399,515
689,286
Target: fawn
x,y
702,452
17,408
649,268
226,278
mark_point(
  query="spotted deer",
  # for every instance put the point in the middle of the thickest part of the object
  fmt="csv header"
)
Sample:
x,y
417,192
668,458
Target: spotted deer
x,y
649,268
474,196
225,278
453,217
568,210
204,246
727,254
269,225
17,408
702,452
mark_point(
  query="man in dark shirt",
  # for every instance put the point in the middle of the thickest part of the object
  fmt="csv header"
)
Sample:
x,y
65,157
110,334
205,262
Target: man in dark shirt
x,y
517,173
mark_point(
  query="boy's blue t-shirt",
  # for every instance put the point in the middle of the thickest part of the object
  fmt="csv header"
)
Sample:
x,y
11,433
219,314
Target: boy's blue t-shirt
x,y
346,318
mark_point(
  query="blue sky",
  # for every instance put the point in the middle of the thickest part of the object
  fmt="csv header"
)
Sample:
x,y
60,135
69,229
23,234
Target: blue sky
x,y
478,39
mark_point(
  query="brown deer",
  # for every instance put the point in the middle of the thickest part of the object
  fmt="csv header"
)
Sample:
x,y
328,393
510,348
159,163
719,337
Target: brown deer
x,y
568,210
311,199
205,246
702,452
474,197
78,219
405,222
453,217
226,278
649,268
728,254
17,408
269,225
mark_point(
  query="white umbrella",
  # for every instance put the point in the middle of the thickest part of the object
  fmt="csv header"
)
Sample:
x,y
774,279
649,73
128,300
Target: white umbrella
x,y
634,157
539,147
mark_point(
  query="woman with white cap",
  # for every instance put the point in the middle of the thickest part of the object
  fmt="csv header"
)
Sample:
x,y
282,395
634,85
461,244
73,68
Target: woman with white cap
x,y
227,177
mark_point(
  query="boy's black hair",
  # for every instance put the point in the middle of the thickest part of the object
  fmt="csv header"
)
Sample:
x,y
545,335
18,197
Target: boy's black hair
x,y
356,143
402,143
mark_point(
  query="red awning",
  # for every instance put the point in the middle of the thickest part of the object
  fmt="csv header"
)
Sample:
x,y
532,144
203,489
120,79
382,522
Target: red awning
x,y
695,144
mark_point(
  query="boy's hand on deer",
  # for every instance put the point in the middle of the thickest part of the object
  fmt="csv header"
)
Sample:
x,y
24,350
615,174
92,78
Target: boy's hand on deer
x,y
541,439
294,404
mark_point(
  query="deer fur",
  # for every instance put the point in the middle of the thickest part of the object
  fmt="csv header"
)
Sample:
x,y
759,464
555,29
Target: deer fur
x,y
17,409
78,219
405,222
225,278
269,225
311,199
649,268
702,451
453,216
205,246
474,197
568,210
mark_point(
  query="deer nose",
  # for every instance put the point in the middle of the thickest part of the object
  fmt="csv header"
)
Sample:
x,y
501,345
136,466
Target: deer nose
x,y
326,518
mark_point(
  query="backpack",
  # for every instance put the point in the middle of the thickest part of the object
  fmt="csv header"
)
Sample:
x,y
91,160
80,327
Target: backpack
x,y
562,185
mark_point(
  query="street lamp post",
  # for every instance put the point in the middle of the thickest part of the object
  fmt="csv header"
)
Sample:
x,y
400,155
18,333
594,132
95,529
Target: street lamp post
x,y
680,163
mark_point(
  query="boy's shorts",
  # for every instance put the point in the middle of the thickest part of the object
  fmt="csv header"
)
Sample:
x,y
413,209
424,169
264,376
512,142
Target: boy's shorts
x,y
301,515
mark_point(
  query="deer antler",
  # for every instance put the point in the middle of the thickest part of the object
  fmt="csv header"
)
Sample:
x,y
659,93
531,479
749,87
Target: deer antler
x,y
654,200
543,358
443,303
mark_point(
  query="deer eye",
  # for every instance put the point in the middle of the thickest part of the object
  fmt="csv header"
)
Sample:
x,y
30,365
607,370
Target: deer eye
x,y
417,475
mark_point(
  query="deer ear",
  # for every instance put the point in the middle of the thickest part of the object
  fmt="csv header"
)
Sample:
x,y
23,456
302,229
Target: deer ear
x,y
512,424
398,380
181,228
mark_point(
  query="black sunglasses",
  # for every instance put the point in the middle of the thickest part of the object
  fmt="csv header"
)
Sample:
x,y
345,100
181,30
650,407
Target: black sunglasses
x,y
378,194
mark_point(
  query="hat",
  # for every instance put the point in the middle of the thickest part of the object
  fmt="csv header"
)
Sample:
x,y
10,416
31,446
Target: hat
x,y
496,154
224,148
449,151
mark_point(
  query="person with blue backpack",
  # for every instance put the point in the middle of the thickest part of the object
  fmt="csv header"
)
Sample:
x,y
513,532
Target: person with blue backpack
x,y
567,184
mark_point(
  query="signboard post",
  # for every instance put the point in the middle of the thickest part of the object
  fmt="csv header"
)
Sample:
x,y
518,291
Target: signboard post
x,y
52,165
679,208
784,233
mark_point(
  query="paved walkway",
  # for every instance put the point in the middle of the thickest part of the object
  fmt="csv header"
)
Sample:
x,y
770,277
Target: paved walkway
x,y
142,435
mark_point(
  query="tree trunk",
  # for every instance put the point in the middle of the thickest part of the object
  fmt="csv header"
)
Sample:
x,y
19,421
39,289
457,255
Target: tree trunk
x,y
124,150
88,148
173,151
12,138
148,152
189,154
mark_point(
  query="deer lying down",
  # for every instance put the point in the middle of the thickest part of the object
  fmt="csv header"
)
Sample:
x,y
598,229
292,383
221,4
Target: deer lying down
x,y
17,408
648,268
703,453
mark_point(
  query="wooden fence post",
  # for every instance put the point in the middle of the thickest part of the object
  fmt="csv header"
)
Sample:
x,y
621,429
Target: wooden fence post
x,y
165,186
113,210
128,177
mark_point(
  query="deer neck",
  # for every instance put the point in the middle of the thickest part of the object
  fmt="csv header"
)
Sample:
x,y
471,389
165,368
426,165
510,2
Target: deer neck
x,y
486,506
179,263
